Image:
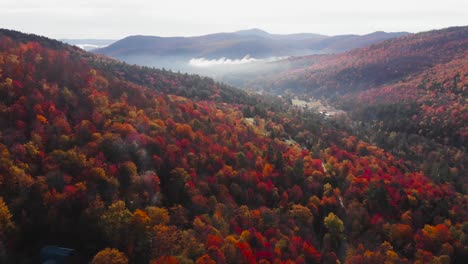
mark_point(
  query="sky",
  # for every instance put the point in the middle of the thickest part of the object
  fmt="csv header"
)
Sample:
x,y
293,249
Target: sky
x,y
115,19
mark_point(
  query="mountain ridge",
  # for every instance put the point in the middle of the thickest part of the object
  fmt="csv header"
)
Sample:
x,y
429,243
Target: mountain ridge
x,y
255,42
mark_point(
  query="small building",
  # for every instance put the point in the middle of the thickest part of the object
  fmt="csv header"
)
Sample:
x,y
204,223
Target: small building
x,y
56,255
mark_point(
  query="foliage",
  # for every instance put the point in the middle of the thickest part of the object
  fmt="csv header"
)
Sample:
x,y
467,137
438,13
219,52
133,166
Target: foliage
x,y
96,154
110,255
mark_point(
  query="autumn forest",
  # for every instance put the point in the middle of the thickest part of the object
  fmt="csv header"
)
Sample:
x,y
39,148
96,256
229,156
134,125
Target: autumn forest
x,y
132,164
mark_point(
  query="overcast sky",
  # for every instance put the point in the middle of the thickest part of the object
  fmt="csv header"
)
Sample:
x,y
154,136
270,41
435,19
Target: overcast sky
x,y
116,19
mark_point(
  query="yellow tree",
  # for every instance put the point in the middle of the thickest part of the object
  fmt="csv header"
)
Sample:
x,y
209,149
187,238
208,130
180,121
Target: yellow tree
x,y
302,214
158,215
114,222
110,255
6,223
167,241
335,230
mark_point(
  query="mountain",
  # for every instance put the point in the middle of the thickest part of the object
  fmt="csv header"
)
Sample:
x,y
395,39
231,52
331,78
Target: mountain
x,y
236,45
129,164
254,32
369,67
264,34
342,43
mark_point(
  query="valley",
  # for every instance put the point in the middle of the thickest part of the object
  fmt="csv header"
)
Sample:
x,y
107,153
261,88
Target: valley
x,y
223,55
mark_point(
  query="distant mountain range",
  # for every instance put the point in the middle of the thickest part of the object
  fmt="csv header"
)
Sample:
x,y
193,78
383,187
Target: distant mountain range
x,y
253,42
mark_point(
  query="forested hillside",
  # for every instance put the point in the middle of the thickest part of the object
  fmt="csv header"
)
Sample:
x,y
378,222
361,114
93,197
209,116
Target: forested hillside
x,y
170,168
408,95
369,67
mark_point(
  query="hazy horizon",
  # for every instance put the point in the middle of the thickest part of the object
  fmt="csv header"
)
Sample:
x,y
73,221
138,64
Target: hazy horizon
x,y
104,19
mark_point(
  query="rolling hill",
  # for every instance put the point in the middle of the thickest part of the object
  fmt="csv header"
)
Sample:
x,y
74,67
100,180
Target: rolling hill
x,y
150,166
236,45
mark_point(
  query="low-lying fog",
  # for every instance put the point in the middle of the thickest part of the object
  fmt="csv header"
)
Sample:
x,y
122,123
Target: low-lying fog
x,y
236,72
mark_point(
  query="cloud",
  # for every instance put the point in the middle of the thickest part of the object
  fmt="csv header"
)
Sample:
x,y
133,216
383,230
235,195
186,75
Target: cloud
x,y
89,46
205,63
202,62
